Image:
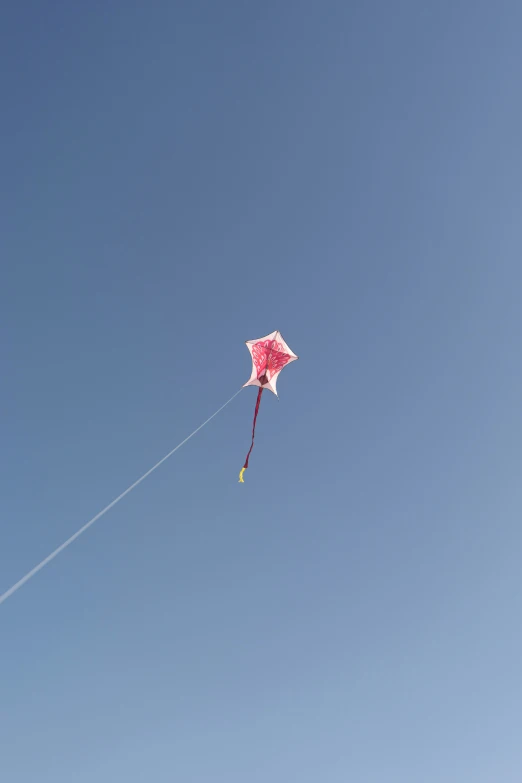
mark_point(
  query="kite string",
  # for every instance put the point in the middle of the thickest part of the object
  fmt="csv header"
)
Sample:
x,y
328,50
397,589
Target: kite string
x,y
8,593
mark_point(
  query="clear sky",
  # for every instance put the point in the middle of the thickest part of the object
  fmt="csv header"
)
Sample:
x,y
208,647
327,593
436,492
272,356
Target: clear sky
x,y
177,178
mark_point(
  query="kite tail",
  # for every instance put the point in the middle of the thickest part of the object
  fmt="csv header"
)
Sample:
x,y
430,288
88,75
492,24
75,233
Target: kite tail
x,y
245,466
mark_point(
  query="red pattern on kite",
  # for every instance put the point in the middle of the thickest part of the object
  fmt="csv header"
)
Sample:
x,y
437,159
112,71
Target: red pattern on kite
x,y
271,353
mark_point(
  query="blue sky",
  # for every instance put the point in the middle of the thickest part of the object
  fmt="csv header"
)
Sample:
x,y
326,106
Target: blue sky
x,y
178,178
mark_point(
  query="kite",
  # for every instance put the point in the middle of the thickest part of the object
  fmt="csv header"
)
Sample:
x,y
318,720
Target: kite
x,y
269,355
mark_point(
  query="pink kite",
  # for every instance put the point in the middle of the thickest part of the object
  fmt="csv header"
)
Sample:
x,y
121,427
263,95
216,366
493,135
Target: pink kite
x,y
269,355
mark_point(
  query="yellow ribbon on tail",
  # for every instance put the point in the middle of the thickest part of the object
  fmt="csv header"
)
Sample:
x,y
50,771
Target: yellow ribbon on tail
x,y
241,479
